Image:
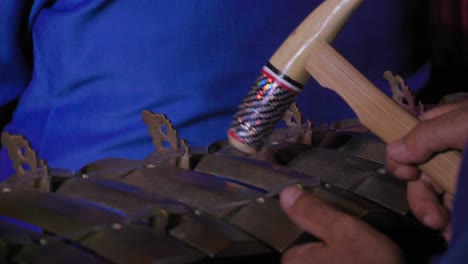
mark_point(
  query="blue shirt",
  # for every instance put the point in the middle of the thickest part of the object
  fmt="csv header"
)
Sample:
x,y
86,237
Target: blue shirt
x,y
84,70
457,251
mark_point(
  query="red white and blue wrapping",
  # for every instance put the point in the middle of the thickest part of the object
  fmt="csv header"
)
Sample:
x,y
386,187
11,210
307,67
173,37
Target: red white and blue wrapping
x,y
263,107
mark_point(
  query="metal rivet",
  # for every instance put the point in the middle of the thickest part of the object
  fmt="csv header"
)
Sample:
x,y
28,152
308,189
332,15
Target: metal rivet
x,y
381,171
327,185
6,189
197,212
150,166
260,200
42,242
85,176
178,234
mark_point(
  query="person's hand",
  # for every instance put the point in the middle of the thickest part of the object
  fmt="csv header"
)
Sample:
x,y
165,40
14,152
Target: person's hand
x,y
440,129
345,239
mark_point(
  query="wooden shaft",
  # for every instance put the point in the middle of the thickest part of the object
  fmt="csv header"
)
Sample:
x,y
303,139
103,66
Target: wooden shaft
x,y
375,110
324,23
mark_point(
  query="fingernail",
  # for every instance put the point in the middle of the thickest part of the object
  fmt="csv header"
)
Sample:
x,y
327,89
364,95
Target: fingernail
x,y
403,173
289,196
447,233
435,221
428,220
396,148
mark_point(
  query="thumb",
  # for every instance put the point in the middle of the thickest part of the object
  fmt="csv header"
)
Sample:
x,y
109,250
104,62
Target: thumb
x,y
314,215
430,136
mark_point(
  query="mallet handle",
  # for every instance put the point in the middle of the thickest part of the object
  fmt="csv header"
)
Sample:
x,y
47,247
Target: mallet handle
x,y
375,110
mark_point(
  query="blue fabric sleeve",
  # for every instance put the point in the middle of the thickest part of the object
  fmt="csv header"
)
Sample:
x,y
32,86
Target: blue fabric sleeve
x,y
457,251
15,52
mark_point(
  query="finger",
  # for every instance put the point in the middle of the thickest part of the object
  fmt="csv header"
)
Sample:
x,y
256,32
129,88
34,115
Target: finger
x,y
456,127
401,171
444,198
432,185
447,201
441,110
316,216
447,233
442,128
430,137
425,205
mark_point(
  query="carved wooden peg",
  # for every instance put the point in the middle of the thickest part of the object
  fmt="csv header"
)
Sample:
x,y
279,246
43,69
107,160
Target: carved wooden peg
x,y
25,161
296,131
293,116
166,139
161,130
402,94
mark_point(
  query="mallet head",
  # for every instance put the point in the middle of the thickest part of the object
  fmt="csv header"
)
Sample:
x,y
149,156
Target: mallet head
x,y
283,78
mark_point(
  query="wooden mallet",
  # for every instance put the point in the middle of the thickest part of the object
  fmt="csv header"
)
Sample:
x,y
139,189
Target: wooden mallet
x,y
375,110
